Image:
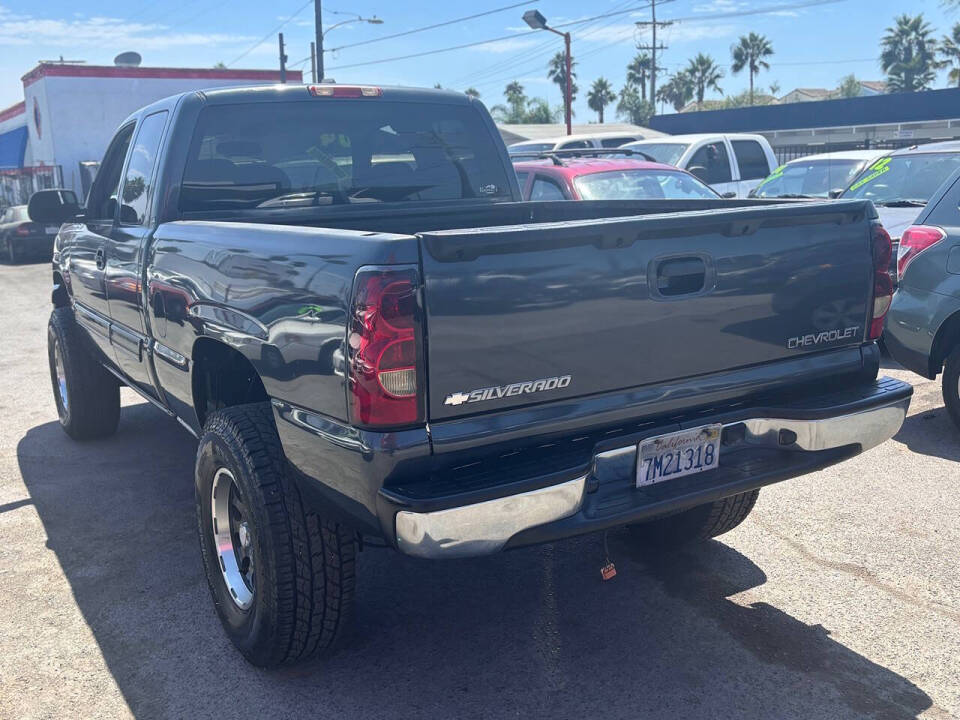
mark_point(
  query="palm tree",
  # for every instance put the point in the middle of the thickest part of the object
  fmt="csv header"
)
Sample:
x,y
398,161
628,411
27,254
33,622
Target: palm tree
x,y
677,91
638,73
600,95
950,52
774,88
909,55
557,72
749,53
472,92
705,75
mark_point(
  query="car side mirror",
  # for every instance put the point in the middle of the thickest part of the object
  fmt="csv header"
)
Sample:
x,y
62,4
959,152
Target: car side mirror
x,y
700,171
835,193
729,194
53,206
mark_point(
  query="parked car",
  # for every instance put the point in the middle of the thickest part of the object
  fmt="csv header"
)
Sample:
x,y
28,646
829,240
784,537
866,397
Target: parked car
x,y
575,142
816,176
21,238
728,163
507,372
923,328
901,182
597,178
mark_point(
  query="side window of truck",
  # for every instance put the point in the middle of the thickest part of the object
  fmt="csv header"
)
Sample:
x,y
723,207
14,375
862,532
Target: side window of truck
x,y
713,158
751,159
102,201
143,159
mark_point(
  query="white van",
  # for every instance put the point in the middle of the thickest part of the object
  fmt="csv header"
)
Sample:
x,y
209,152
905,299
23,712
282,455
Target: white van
x,y
575,142
731,164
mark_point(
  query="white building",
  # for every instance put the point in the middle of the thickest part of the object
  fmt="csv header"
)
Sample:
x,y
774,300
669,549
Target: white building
x,y
70,112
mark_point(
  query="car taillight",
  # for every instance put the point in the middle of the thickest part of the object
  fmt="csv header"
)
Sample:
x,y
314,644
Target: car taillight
x,y
385,383
882,284
915,240
27,228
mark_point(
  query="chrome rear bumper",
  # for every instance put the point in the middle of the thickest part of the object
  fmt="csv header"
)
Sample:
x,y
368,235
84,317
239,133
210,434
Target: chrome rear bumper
x,y
486,527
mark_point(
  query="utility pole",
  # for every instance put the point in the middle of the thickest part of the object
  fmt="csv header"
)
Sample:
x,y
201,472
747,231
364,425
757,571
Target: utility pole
x,y
318,26
313,60
653,47
568,90
283,60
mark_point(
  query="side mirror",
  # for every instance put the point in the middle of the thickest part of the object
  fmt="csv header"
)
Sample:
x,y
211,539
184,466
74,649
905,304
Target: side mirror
x,y
835,193
729,194
53,206
700,171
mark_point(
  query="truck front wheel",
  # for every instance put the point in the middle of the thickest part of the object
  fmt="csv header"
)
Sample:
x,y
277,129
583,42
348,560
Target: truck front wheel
x,y
281,576
698,523
86,394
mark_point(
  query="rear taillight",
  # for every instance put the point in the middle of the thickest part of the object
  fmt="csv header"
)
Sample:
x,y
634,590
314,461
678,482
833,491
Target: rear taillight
x,y
27,228
385,383
915,240
882,284
344,91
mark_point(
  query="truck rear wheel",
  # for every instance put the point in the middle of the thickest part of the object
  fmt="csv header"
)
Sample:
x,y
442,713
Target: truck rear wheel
x,y
281,576
698,523
951,385
86,394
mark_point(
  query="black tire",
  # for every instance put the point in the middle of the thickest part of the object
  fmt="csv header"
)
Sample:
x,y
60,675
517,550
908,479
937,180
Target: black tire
x,y
12,256
698,523
89,403
302,565
951,385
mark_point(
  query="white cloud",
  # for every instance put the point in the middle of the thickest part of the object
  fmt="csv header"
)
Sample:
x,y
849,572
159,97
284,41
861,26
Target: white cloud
x,y
506,46
720,6
18,29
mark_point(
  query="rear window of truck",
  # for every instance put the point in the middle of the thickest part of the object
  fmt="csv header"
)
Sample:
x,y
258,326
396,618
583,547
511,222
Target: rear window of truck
x,y
333,152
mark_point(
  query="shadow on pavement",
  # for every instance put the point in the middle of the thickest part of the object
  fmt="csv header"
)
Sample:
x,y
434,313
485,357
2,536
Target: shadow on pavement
x,y
530,633
931,433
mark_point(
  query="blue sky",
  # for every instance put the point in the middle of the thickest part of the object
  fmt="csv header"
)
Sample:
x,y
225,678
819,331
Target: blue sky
x,y
814,45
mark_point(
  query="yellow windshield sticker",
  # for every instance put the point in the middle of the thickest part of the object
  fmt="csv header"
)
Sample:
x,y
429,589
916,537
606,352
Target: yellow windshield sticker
x,y
772,176
877,169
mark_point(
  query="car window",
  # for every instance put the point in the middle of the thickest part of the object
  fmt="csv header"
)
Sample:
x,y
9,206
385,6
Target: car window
x,y
531,148
711,163
641,185
574,145
522,179
615,142
666,153
143,158
338,152
102,202
912,177
810,178
20,214
545,189
751,159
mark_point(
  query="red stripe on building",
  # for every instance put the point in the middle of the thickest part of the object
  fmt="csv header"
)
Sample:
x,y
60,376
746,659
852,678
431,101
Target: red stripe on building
x,y
110,71
13,111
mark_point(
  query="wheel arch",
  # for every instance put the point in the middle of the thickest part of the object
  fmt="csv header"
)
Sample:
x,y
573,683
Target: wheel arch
x,y
222,376
947,338
59,296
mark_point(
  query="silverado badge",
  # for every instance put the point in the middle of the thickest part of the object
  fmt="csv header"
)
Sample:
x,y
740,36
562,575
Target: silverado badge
x,y
502,391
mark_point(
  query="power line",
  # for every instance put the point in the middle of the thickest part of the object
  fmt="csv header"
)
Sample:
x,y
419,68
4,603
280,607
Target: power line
x,y
269,34
436,25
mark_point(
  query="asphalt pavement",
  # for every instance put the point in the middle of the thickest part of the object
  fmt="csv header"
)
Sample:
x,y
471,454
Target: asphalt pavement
x,y
839,597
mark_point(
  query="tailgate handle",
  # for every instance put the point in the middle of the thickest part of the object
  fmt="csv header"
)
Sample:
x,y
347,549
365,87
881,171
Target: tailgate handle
x,y
681,276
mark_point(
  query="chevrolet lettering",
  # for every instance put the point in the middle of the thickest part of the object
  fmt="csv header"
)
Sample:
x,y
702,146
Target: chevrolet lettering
x,y
822,338
502,391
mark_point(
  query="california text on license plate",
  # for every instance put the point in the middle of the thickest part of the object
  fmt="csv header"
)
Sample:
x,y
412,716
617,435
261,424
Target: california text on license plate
x,y
681,453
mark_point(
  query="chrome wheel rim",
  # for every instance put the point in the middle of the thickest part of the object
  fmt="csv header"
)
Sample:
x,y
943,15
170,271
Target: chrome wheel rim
x,y
61,376
233,537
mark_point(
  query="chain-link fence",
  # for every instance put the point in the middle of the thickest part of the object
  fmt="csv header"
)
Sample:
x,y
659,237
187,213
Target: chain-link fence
x,y
17,185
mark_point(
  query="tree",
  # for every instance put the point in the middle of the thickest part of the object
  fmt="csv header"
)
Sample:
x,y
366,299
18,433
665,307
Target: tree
x,y
632,107
705,74
774,88
677,91
849,86
220,66
539,111
950,52
520,109
638,73
749,53
472,92
600,95
437,86
557,72
909,55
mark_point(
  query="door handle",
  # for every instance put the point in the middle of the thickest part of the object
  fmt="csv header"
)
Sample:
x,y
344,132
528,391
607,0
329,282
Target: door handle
x,y
681,276
101,259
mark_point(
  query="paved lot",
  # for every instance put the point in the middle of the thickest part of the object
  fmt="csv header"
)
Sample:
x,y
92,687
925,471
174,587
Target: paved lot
x,y
838,598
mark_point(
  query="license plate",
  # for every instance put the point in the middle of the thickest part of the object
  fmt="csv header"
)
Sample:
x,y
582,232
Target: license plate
x,y
52,230
681,453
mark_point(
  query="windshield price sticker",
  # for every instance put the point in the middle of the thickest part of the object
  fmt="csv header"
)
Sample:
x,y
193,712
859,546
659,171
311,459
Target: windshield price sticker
x,y
878,168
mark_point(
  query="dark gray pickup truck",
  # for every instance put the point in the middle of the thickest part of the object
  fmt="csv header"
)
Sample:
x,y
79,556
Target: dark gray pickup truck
x,y
339,292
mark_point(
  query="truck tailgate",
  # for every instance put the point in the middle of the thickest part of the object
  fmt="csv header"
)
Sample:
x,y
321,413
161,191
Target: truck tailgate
x,y
532,313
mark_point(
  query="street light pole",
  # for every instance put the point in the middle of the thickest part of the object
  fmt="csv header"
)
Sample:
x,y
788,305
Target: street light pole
x,y
321,33
538,22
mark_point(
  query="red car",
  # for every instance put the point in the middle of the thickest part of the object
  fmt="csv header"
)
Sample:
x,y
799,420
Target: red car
x,y
600,178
